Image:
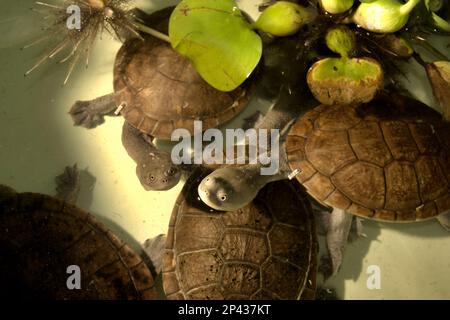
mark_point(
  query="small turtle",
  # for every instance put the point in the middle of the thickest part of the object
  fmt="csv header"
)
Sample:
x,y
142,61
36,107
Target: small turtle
x,y
45,241
157,91
386,160
265,250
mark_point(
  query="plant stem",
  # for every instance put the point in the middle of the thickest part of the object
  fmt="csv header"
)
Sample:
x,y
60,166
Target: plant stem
x,y
409,6
152,32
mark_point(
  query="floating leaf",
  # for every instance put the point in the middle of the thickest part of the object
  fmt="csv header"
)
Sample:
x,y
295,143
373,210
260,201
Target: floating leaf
x,y
218,40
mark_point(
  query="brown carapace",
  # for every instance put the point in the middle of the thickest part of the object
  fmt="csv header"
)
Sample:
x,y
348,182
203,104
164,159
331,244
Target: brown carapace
x,y
160,90
266,250
42,236
386,160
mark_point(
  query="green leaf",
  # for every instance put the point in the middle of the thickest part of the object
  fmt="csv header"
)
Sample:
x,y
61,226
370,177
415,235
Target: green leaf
x,y
218,40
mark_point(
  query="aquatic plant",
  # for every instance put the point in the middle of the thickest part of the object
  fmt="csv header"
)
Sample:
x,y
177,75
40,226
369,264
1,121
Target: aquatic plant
x,y
283,18
344,80
218,40
77,23
384,16
435,7
336,6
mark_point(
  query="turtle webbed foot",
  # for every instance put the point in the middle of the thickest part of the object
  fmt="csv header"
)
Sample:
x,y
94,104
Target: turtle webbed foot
x,y
68,184
154,248
90,114
83,117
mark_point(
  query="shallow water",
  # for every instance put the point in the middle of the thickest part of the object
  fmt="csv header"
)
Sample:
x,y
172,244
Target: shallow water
x,y
37,140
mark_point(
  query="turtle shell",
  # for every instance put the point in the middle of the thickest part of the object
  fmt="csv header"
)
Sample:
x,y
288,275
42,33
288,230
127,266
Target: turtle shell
x,y
42,236
266,250
387,160
161,91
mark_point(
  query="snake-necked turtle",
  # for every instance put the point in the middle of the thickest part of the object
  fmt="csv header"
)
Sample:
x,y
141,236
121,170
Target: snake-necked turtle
x,y
158,91
386,160
45,240
265,250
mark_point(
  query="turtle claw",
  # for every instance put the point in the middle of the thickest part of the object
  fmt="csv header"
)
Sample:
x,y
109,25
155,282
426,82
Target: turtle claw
x,y
82,115
154,248
68,184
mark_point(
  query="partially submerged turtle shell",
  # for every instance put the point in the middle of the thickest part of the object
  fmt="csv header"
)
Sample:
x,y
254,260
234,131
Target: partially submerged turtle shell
x,y
161,90
266,250
387,160
42,236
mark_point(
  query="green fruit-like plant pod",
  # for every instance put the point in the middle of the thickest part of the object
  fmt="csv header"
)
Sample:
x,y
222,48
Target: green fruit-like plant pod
x,y
384,16
345,81
336,6
283,18
341,40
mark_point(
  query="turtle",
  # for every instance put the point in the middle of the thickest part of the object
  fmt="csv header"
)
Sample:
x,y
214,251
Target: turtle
x,y
265,250
45,240
385,160
157,91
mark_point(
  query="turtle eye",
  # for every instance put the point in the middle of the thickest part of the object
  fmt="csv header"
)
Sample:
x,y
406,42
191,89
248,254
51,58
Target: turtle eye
x,y
171,171
151,178
223,197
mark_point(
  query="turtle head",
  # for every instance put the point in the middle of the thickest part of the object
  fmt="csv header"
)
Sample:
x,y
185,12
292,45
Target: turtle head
x,y
220,191
158,173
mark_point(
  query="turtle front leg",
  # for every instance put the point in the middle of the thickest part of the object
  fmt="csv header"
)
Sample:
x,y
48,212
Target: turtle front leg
x,y
339,226
444,220
90,114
